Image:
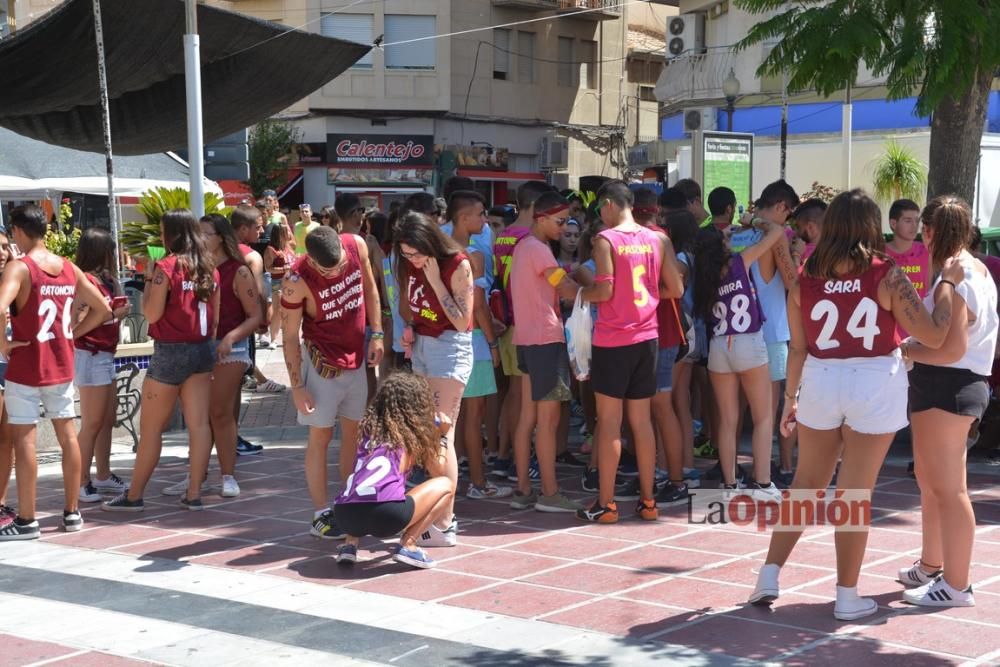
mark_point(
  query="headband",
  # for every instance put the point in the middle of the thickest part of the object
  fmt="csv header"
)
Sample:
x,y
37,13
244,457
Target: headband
x,y
558,208
646,210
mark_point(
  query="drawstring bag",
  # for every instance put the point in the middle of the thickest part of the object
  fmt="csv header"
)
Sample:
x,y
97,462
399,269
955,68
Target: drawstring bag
x,y
579,334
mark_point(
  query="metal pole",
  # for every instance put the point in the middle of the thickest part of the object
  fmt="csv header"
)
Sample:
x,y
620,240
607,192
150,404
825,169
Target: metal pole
x,y
846,134
192,71
102,76
730,108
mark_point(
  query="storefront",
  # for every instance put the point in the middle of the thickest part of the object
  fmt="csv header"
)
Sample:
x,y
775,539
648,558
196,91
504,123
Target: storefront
x,y
380,169
488,167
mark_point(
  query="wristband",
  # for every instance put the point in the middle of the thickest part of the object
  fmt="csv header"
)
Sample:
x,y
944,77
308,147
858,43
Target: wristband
x,y
948,282
556,277
494,345
378,335
791,397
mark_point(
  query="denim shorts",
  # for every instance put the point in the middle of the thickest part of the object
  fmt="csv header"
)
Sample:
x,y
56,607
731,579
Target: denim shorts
x,y
665,360
3,374
93,369
448,356
240,353
777,360
23,402
174,363
269,287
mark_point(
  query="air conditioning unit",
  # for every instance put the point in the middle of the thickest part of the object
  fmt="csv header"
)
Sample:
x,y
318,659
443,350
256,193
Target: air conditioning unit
x,y
704,119
685,35
554,153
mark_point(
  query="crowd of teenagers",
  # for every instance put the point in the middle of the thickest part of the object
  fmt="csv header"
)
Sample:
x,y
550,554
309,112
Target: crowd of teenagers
x,y
434,338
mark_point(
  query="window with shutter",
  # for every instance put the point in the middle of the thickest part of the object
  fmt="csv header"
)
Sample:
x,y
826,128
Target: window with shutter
x,y
415,55
565,73
526,57
588,64
501,54
353,28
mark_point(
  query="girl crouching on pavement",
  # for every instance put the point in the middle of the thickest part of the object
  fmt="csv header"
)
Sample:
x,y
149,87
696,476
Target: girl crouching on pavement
x,y
397,433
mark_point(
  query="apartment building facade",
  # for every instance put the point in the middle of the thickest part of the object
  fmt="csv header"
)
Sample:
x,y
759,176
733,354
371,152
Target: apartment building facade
x,y
692,95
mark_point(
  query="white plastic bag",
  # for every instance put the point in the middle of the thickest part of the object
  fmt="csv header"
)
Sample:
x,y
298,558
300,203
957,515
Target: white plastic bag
x,y
579,334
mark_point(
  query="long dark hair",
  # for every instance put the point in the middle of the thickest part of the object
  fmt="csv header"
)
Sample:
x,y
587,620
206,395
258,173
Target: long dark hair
x,y
183,238
683,229
230,244
423,235
852,232
96,252
713,256
279,238
951,219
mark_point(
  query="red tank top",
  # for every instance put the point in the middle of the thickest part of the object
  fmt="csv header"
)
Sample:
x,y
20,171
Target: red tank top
x,y
667,311
186,318
231,313
503,255
842,318
279,266
46,323
245,249
105,337
429,318
338,330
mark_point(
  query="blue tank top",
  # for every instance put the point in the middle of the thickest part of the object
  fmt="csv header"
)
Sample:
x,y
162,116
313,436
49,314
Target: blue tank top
x,y
774,303
737,310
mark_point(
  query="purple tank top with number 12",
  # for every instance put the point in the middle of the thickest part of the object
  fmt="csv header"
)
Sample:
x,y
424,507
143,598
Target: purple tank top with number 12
x,y
737,310
376,477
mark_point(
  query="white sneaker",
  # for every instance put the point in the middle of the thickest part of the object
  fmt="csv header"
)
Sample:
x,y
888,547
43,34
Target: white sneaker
x,y
112,485
915,575
850,606
88,494
181,487
765,494
938,593
435,537
264,342
230,489
489,490
767,589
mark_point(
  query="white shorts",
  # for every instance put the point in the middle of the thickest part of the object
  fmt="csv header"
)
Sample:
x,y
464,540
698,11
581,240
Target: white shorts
x,y
23,402
343,396
93,369
738,353
867,394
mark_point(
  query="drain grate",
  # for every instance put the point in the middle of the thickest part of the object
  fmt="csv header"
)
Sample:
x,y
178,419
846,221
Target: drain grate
x,y
49,457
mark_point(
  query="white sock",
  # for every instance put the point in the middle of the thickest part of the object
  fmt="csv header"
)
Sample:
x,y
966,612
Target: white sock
x,y
317,513
769,574
845,594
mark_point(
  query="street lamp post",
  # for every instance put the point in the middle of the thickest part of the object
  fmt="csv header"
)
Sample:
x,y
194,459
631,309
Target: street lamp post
x,y
730,89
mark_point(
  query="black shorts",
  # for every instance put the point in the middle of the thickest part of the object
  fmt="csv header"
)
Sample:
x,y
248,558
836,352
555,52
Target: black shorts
x,y
955,390
547,367
625,372
377,519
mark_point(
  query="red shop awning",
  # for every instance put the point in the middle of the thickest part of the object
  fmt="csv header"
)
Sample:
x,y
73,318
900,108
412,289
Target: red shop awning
x,y
481,175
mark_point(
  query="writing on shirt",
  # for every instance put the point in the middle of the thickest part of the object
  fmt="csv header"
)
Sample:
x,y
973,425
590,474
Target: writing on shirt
x,y
842,286
506,240
419,303
344,296
911,269
57,290
729,288
635,249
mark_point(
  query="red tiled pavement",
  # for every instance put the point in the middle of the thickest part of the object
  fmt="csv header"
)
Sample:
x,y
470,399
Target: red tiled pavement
x,y
19,651
682,584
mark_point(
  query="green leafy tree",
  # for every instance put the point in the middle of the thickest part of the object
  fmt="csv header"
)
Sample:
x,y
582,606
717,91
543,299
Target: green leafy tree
x,y
136,236
943,51
899,173
272,142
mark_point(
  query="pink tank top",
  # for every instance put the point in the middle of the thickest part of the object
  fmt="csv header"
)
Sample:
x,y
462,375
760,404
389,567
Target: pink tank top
x,y
630,316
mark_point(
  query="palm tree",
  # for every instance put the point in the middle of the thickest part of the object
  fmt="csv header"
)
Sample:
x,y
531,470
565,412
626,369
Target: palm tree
x,y
898,173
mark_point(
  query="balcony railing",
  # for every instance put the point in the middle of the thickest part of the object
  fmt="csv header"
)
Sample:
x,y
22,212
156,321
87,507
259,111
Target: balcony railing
x,y
539,5
595,10
695,76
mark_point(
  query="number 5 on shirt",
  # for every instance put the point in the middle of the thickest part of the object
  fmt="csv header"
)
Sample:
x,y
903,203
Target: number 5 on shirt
x,y
641,293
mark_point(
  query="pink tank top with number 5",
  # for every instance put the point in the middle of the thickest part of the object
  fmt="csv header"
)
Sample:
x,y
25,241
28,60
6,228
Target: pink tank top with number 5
x,y
630,316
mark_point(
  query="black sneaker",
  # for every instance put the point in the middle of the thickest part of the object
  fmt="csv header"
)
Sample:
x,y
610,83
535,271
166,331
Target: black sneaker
x,y
121,503
72,521
591,481
567,458
247,448
993,457
743,476
909,469
19,529
192,505
324,526
714,474
627,491
672,493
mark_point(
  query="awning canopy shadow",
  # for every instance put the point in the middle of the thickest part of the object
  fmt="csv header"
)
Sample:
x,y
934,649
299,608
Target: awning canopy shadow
x,y
251,69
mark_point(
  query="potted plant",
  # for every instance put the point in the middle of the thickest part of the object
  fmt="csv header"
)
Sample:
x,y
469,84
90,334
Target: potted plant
x,y
142,238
